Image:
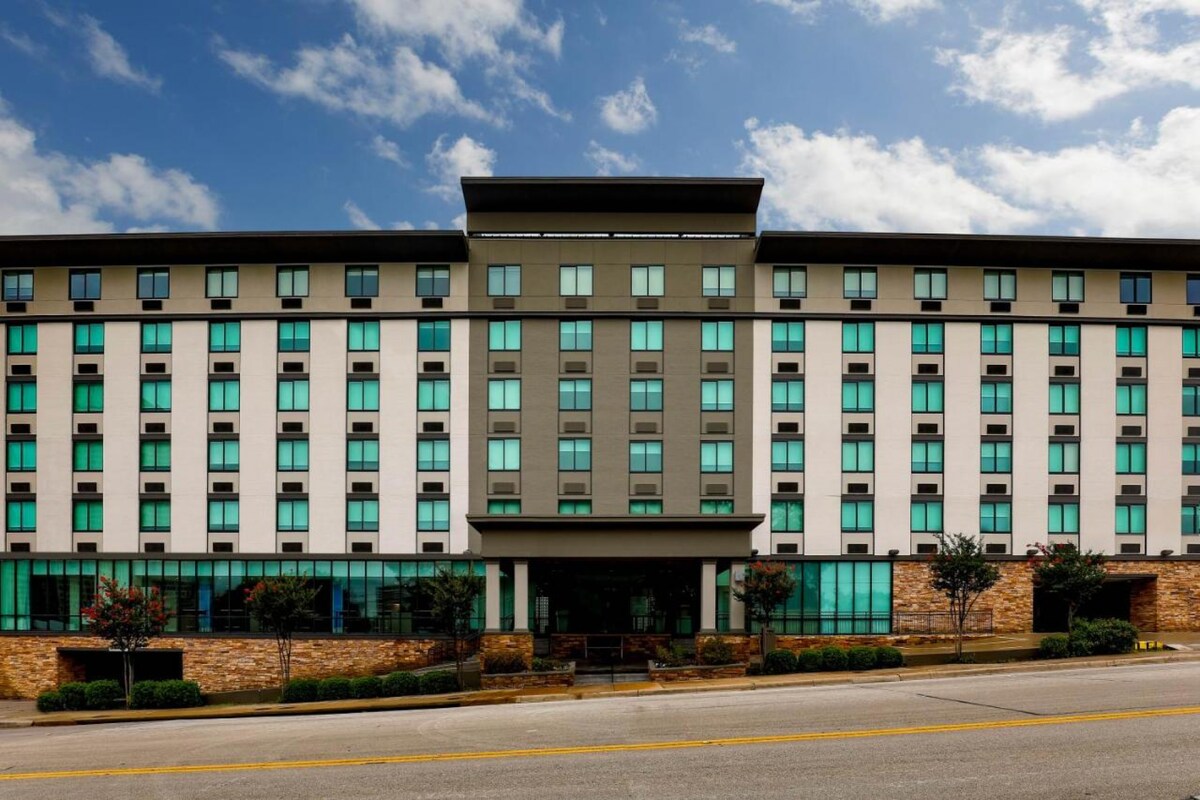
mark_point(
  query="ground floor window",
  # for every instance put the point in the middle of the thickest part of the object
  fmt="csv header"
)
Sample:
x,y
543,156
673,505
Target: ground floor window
x,y
831,597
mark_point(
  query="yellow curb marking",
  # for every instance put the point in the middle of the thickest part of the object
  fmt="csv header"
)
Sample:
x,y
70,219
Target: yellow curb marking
x,y
421,758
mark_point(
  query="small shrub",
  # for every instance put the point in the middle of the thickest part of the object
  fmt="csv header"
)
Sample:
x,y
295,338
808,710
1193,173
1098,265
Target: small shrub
x,y
400,684
834,659
104,694
504,662
366,687
673,656
860,658
74,696
440,682
779,662
333,689
1055,646
142,695
715,652
300,690
177,694
50,701
811,660
889,657
1106,636
546,665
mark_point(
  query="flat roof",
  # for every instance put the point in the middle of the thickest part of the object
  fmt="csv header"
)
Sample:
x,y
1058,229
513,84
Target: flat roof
x,y
243,247
970,250
614,195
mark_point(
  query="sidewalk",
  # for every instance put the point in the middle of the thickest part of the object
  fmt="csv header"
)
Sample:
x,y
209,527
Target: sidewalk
x,y
22,714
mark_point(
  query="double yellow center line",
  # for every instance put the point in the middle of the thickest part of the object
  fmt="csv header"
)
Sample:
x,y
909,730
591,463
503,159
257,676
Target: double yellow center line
x,y
683,744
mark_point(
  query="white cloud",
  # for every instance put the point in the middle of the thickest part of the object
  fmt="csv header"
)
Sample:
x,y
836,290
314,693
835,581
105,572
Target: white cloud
x,y
403,225
109,59
448,163
389,151
708,35
359,218
629,110
890,10
49,192
610,162
22,42
804,9
459,222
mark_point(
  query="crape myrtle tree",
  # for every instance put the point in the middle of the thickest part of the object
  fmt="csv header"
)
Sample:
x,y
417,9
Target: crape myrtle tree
x,y
452,600
1071,574
960,571
128,618
282,604
765,586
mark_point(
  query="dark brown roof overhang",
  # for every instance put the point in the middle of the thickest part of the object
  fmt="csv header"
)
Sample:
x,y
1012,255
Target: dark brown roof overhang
x,y
614,195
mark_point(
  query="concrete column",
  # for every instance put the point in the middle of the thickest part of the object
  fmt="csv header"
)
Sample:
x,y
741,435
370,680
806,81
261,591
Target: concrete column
x,y
491,589
520,596
737,609
708,595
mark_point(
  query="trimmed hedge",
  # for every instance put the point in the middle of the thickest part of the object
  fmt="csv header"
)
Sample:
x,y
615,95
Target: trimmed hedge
x,y
399,684
334,689
861,658
366,687
1055,646
101,695
74,696
300,690
504,662
779,662
1091,638
810,661
142,694
439,682
834,659
715,652
165,694
888,657
50,701
546,664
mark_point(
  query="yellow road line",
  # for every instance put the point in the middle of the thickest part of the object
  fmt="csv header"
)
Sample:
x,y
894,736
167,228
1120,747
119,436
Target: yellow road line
x,y
421,758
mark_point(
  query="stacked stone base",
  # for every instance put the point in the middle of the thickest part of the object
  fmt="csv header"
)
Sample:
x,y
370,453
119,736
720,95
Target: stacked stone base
x,y
492,643
562,678
696,672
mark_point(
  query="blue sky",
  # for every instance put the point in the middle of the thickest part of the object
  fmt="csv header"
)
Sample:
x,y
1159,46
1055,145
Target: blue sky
x,y
1078,117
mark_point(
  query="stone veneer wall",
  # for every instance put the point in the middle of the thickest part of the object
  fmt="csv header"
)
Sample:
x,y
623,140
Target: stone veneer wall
x,y
1010,600
697,672
529,680
492,643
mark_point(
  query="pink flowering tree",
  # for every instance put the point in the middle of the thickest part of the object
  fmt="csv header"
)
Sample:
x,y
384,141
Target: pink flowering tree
x,y
128,618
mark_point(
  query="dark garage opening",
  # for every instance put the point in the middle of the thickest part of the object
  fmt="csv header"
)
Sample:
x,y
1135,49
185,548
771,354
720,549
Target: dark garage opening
x,y
1112,601
94,664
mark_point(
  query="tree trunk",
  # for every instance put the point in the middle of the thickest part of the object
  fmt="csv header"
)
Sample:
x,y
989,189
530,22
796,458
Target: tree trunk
x,y
458,660
127,660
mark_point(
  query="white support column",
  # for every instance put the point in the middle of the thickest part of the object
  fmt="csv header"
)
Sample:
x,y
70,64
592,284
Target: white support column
x,y
491,588
737,609
708,595
520,595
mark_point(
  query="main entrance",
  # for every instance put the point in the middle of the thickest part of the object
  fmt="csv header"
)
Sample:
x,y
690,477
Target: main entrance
x,y
595,596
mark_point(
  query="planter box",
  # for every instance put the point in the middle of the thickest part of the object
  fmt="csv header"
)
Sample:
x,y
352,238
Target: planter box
x,y
696,672
530,680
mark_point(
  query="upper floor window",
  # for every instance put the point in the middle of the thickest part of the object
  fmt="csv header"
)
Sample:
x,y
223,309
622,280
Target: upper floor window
x,y
646,336
929,284
928,397
995,397
1064,458
787,337
294,337
21,516
575,455
18,285
156,395
647,281
575,335
645,456
224,395
1131,340
927,456
646,395
292,515
928,337
1064,340
858,456
1191,342
362,455
716,336
364,395
504,334
362,281
504,394
787,395
926,517
1131,519
291,455
858,516
224,337
575,280
433,335
221,282
787,455
718,281
1131,399
575,395
999,284
433,455
22,397
858,396
995,457
433,515
433,281
789,282
362,337
153,283
85,284
154,455
22,339
89,337
1064,398
432,395
1193,290
1131,458
223,516
995,517
88,456
503,455
1135,287
1066,287
224,455
22,456
291,281
787,516
859,283
504,280
996,339
716,456
292,395
858,337
716,395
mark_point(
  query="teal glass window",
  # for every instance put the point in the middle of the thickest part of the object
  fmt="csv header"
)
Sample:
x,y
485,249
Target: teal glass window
x,y
995,457
433,515
1064,340
1191,459
927,456
293,395
20,516
575,394
718,281
999,284
716,457
224,455
223,516
647,281
1189,521
1131,458
21,456
155,455
504,334
224,395
504,455
646,336
1064,398
928,337
291,281
716,336
859,283
154,516
433,455
646,395
995,517
362,337
291,455
1064,458
433,335
787,455
1191,401
787,516
88,397
858,456
22,397
576,335
432,395
575,280
1131,519
928,397
1131,340
87,516
996,339
858,337
716,506
504,394
574,455
363,515
87,456
362,281
22,339
575,507
1191,342
858,516
995,397
787,337
1063,518
504,280
1066,287
221,282
156,337
363,395
156,395
1131,399
787,395
89,337
716,395
926,517
645,456
224,337
291,515
789,282
362,455
929,284
504,506
294,336
858,396
645,507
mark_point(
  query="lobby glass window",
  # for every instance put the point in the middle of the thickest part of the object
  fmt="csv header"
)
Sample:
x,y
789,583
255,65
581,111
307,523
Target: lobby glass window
x,y
1131,458
433,281
716,506
504,280
22,339
1131,519
639,508
647,281
927,457
508,507
362,337
156,337
18,286
1131,399
363,395
716,457
1191,342
787,516
433,515
155,456
433,335
223,516
928,337
504,334
87,456
1191,401
929,284
154,516
1066,287
291,515
995,458
787,455
716,395
153,283
575,280
85,284
22,397
362,455
718,281
575,394
646,336
996,339
504,394
363,515
787,395
646,395
433,395
858,516
362,281
1191,459
858,396
1064,340
291,455
224,395
995,517
294,337
1064,458
88,397
999,284
858,456
787,337
645,456
1131,340
224,337
995,397
575,336
1063,518
87,516
1189,521
789,282
291,281
156,395
858,337
928,397
20,516
221,282
859,283
1135,287
89,338
21,456
575,507
1064,398
715,336
293,395
504,455
224,455
926,517
574,455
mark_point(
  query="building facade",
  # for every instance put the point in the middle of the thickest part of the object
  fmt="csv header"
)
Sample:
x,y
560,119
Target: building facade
x,y
606,396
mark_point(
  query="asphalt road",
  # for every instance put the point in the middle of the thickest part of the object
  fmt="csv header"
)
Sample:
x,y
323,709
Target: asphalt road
x,y
1020,736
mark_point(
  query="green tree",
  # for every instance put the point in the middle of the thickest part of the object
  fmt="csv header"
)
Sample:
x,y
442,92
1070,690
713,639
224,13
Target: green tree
x,y
1072,575
282,604
452,598
128,618
765,586
960,571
